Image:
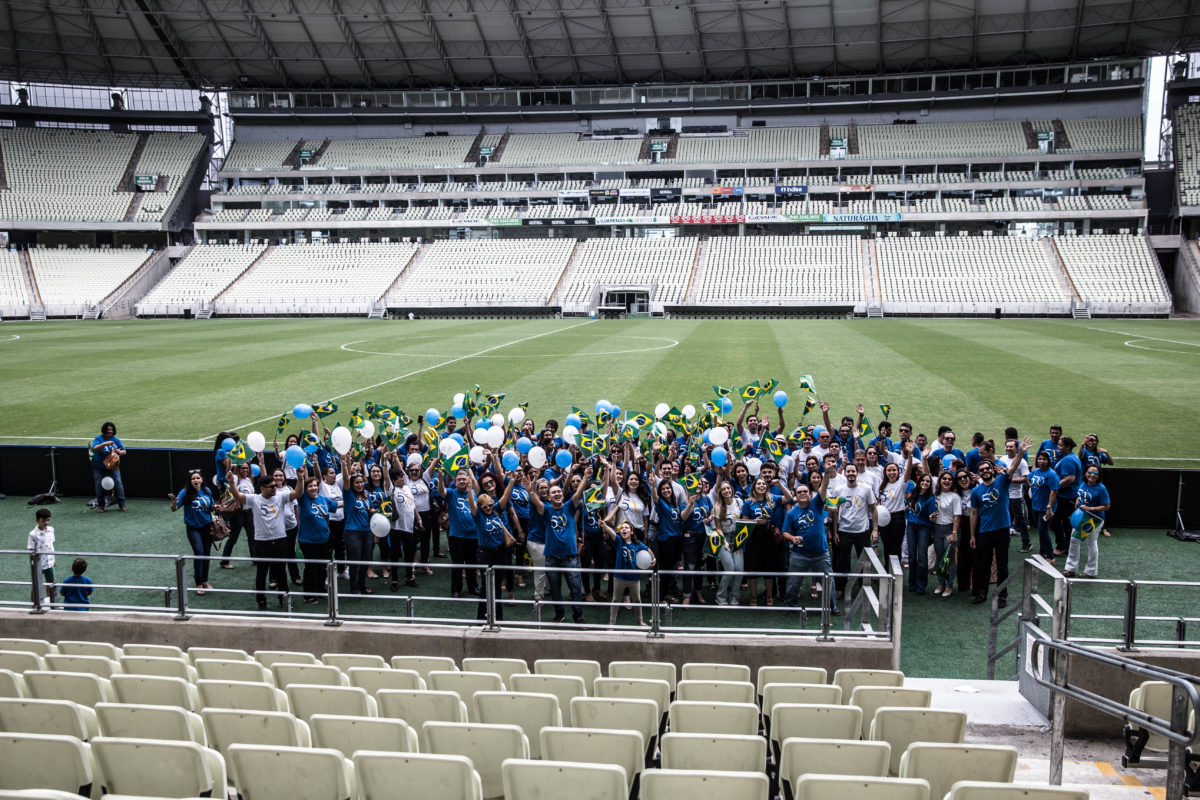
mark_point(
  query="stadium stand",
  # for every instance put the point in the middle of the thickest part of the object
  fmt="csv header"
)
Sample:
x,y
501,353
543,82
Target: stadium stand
x,y
1103,135
72,279
1187,152
258,156
966,274
792,270
941,140
758,144
333,277
475,272
14,294
198,278
567,149
429,152
1116,273
665,264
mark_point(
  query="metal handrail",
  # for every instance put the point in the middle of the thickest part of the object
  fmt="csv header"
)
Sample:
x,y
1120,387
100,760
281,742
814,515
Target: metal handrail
x,y
1185,693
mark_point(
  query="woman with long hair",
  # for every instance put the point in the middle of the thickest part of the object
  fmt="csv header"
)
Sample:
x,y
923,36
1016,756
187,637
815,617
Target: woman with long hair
x,y
921,506
104,446
1043,494
892,496
241,519
964,482
1094,501
727,507
945,528
197,503
671,517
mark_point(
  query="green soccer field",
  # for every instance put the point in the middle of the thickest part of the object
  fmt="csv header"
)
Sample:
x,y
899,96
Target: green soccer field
x,y
177,383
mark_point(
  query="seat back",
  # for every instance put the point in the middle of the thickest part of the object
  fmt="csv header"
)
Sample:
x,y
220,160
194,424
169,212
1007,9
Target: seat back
x,y
226,727
307,700
671,784
790,675
844,787
944,765
799,757
155,650
11,684
265,772
716,691
287,674
1153,697
588,670
79,648
486,745
775,693
445,777
708,751
350,734
613,713
423,665
158,768
596,746
347,661
800,719
900,727
375,678
550,780
84,688
465,685
564,687
504,667
45,761
529,711
218,654
211,669
416,707
97,665
20,660
242,695
39,646
644,670
700,671
689,716
985,790
156,690
270,657
139,721
870,698
849,678
54,717
166,667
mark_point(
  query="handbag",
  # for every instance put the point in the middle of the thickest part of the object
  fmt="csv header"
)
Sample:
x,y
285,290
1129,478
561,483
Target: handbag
x,y
509,539
218,529
112,461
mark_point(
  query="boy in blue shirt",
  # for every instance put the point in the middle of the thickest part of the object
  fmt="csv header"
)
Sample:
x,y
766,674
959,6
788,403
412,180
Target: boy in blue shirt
x,y
77,588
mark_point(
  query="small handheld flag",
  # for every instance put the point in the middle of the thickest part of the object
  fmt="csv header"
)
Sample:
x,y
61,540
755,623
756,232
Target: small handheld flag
x,y
832,503
942,568
593,497
690,482
806,383
773,447
1088,526
769,386
749,391
356,419
722,392
810,403
310,438
324,409
715,542
281,425
864,428
458,461
742,534
369,409
886,408
388,508
640,419
240,454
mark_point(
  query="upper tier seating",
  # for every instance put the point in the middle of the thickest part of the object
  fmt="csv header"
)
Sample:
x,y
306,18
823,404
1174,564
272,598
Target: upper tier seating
x,y
333,276
1106,135
373,154
783,270
1187,153
199,277
69,279
759,144
957,274
941,140
257,155
552,149
485,272
1113,271
664,262
169,156
14,295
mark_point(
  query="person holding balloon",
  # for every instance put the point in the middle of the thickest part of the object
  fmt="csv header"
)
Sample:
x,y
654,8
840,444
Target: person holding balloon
x,y
727,507
240,518
106,452
197,503
270,537
631,556
291,525
671,517
1087,520
358,509
463,537
314,510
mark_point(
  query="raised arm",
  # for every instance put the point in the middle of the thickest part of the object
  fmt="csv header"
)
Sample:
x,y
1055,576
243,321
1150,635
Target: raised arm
x,y
508,490
739,425
301,477
534,500
231,484
1020,457
825,418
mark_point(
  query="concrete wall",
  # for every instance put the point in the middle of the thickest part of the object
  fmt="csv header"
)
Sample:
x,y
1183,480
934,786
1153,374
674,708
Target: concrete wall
x,y
390,640
1116,684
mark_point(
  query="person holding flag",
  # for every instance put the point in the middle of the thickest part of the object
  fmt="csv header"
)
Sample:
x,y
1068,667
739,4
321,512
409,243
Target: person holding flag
x,y
1093,501
804,531
727,508
562,545
990,522
671,518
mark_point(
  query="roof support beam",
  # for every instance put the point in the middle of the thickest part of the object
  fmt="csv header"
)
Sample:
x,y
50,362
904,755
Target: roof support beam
x,y
388,26
566,32
62,53
316,50
169,42
12,37
101,45
524,37
658,50
436,38
699,39
344,26
487,49
1074,53
268,47
612,42
745,48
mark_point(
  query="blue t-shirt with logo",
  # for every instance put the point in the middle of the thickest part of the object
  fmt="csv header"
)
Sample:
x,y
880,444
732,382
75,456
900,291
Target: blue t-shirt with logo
x,y
1069,465
560,530
198,512
808,525
490,528
458,507
314,518
1041,483
992,502
1094,496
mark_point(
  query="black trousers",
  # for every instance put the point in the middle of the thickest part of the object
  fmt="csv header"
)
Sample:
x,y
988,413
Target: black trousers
x,y
272,548
292,569
494,556
1061,524
238,521
316,567
462,551
842,561
404,546
987,544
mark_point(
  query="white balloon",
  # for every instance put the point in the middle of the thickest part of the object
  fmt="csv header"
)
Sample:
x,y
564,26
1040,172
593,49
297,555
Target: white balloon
x,y
476,455
516,416
497,420
689,411
883,517
753,465
570,430
256,441
661,410
718,435
495,436
107,483
458,399
659,429
537,457
381,526
367,429
448,447
341,439
413,460
644,559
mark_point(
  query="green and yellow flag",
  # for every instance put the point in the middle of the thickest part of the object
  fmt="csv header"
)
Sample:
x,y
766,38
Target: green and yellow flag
x,y
405,419
309,438
640,418
832,503
715,542
806,384
749,391
281,425
357,451
440,425
810,403
593,497
710,407
690,482
1089,526
583,416
458,461
864,428
674,417
356,419
886,408
773,448
721,391
369,409
323,410
603,417
427,459
769,386
478,391
240,454
587,443
388,414
796,437
741,534
397,435
388,508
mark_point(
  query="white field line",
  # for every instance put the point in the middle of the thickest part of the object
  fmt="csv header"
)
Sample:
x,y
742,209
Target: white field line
x,y
1139,337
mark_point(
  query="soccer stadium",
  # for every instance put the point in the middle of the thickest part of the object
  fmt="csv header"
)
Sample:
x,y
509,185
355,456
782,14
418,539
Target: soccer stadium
x,y
599,399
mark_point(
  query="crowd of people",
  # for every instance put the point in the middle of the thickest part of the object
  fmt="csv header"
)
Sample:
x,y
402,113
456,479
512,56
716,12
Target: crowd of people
x,y
601,500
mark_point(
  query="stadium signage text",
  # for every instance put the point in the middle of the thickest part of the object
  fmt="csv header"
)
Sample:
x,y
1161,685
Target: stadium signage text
x,y
567,194
634,192
728,190
861,218
557,221
791,189
633,220
719,219
856,187
666,192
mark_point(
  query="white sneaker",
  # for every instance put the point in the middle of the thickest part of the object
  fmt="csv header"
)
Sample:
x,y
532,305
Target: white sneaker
x,y
344,574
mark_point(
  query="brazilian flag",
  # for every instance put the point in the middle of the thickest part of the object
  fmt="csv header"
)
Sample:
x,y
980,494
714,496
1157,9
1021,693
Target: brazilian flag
x,y
323,410
388,414
806,383
832,503
749,391
478,390
405,419
397,435
240,454
587,443
629,432
458,461
690,482
886,408
641,419
741,534
722,392
772,447
864,428
603,417
593,497
583,417
440,425
1088,526
710,407
356,419
357,451
714,542
942,567
796,437
281,425
810,403
737,445
310,438
468,404
769,386
427,459
388,508
369,409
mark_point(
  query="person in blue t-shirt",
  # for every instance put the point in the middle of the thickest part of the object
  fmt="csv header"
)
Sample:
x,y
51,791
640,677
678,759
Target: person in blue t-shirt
x,y
562,546
922,505
804,531
197,503
495,539
313,510
1093,500
626,576
990,522
1070,477
77,588
1093,454
1043,492
105,445
671,518
1050,446
463,538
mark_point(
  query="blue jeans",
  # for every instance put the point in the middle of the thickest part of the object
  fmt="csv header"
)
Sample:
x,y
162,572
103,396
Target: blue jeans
x,y
574,586
918,557
799,562
98,474
200,541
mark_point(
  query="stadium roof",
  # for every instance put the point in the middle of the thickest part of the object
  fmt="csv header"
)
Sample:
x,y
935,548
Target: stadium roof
x,y
383,44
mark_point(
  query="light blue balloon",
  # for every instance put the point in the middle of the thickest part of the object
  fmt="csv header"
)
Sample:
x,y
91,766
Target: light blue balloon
x,y
616,411
228,444
719,457
563,458
726,405
302,411
524,445
482,425
310,449
294,457
818,430
704,438
510,460
947,460
432,416
254,470
458,411
1077,517
573,419
456,436
781,399
603,405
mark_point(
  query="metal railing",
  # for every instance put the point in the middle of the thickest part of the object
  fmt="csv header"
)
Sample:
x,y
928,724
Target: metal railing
x,y
1185,695
870,604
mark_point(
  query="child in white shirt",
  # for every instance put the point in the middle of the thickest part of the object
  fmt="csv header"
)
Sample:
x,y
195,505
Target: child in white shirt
x,y
41,543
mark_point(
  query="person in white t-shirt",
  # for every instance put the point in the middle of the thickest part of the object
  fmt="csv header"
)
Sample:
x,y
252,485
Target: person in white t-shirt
x,y
1016,492
855,527
945,528
269,508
